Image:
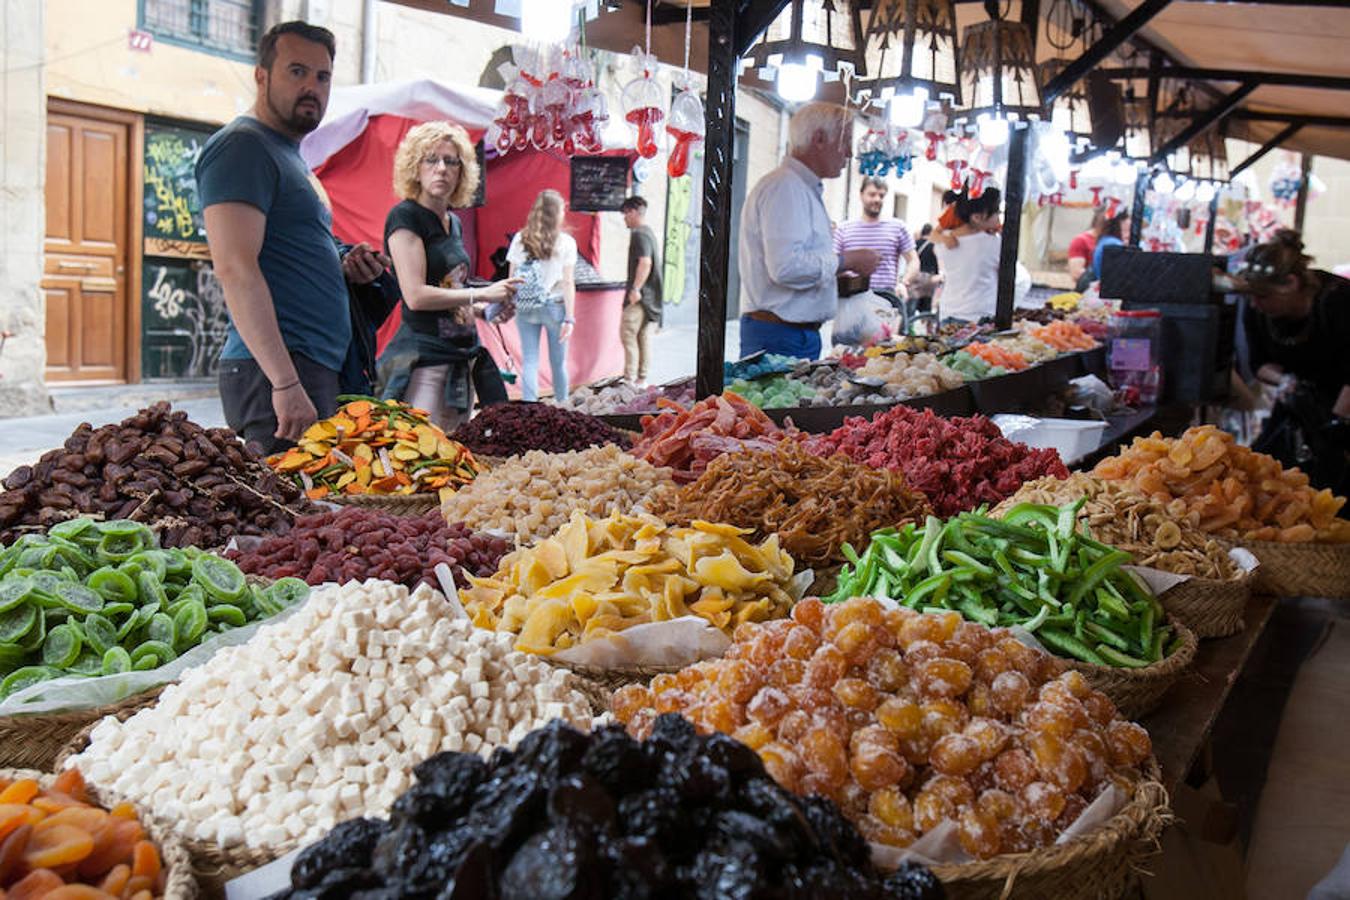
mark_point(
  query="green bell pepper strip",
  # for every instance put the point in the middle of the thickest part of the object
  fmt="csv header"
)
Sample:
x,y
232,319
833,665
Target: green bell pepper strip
x,y
925,588
1037,620
1106,636
966,561
1095,573
923,558
849,553
1068,645
1117,658
1112,606
1155,649
977,612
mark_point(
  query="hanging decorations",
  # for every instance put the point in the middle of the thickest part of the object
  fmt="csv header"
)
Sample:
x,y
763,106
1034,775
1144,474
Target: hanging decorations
x,y
809,39
550,102
643,100
686,126
909,45
998,72
1209,156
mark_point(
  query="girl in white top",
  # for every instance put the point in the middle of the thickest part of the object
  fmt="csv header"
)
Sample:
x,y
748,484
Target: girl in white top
x,y
968,246
544,258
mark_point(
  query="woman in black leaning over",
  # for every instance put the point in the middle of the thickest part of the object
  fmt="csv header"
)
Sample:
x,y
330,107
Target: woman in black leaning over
x,y
1298,325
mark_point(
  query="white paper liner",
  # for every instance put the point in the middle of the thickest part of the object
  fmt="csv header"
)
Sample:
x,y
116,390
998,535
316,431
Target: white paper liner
x,y
64,694
941,847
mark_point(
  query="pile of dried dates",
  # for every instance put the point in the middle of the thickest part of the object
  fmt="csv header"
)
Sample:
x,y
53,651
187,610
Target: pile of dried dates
x,y
194,486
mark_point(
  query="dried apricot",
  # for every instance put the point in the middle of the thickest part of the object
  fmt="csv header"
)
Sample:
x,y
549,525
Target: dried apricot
x,y
86,818
12,850
113,844
38,883
57,846
21,791
78,892
71,783
145,860
115,881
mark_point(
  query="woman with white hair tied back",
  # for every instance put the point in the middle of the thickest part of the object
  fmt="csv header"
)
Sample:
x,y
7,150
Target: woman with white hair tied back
x,y
787,259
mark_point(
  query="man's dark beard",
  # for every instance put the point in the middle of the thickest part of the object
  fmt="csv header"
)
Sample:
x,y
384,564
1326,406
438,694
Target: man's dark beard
x,y
294,121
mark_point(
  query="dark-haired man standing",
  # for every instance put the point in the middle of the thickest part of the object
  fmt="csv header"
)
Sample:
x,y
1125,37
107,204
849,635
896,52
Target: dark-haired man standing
x,y
642,293
272,247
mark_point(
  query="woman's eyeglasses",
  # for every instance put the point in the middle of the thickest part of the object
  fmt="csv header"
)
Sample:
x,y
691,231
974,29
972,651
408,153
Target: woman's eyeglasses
x,y
451,162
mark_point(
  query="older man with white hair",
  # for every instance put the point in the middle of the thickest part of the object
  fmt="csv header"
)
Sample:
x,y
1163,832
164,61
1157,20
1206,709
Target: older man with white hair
x,y
787,258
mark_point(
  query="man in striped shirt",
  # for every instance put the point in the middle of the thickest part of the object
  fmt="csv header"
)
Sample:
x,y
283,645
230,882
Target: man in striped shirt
x,y
888,236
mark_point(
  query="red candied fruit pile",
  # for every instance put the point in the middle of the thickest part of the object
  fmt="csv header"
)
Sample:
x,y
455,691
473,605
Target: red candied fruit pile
x,y
909,720
353,544
958,463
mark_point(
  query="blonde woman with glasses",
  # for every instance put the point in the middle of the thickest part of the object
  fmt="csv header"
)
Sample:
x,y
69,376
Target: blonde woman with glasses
x,y
544,258
435,361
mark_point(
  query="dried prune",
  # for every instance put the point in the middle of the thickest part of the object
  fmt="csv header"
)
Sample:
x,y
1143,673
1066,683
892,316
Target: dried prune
x,y
557,864
350,844
573,816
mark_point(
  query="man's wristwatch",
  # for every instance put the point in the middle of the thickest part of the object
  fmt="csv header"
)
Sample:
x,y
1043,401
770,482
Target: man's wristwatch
x,y
569,321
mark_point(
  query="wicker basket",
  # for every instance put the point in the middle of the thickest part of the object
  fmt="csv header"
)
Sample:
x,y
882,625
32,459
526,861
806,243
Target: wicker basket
x,y
211,864
179,883
1300,570
1210,608
34,740
398,504
600,684
1102,864
1137,692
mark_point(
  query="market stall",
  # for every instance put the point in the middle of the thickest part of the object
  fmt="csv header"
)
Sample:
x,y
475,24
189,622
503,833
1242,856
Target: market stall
x,y
895,654
352,154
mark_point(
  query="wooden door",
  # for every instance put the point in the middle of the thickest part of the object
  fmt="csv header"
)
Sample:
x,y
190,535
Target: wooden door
x,y
86,261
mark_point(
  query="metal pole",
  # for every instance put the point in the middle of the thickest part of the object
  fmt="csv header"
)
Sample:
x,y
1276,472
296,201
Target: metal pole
x,y
1141,186
1209,228
716,243
1118,34
1301,209
1268,146
1014,197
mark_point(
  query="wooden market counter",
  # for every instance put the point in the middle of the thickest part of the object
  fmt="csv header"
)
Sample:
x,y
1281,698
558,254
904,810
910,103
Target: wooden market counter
x,y
1182,724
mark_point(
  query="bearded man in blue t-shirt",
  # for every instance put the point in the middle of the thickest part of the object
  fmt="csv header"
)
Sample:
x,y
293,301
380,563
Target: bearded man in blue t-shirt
x,y
272,248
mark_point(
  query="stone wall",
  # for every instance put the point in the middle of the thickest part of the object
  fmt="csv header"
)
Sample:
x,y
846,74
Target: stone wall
x,y
22,219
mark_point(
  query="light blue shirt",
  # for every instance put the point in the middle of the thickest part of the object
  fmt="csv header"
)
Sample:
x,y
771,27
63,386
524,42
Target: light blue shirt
x,y
787,258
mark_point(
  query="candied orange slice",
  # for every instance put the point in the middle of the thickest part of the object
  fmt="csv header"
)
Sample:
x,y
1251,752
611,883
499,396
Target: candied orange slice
x,y
145,860
115,882
38,883
86,818
58,846
21,791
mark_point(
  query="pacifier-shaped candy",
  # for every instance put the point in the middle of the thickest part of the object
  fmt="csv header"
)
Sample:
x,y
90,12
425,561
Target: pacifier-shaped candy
x,y
1073,179
1112,204
589,114
958,160
686,126
934,138
514,112
643,102
1097,197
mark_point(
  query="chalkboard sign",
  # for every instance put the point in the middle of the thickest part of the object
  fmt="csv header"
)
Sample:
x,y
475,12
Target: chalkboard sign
x,y
172,208
183,318
599,183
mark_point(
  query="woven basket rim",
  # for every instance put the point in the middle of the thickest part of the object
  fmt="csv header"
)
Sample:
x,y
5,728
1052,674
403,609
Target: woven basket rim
x,y
179,883
1295,546
372,499
1168,667
601,673
1142,818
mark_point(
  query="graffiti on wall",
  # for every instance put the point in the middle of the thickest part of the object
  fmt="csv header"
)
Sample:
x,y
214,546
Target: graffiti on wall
x,y
183,319
172,208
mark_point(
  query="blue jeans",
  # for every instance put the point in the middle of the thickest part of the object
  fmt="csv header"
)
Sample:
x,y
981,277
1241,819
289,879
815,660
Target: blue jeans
x,y
802,343
529,322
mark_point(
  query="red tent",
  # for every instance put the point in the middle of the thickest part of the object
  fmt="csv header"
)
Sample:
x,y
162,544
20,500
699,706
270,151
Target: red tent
x,y
352,154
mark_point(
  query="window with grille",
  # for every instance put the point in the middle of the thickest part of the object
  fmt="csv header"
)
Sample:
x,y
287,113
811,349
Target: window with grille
x,y
227,27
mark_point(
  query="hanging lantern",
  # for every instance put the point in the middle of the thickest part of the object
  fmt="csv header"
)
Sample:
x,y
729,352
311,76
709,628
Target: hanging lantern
x,y
810,38
1137,144
909,44
998,72
1070,110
